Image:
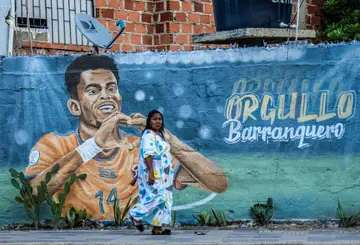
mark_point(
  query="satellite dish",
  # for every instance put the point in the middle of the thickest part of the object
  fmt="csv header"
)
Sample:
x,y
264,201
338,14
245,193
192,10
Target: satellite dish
x,y
95,32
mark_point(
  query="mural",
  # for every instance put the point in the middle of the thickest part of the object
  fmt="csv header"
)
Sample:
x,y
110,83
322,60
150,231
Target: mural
x,y
92,82
245,124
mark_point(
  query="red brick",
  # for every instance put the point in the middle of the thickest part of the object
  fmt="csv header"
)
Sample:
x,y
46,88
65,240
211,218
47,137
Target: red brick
x,y
209,29
166,17
120,15
209,9
163,48
108,13
180,17
198,7
127,48
182,38
101,3
130,27
172,27
316,20
58,46
312,9
129,4
187,47
140,6
114,4
147,40
135,38
173,5
126,38
115,47
166,39
149,29
186,28
193,18
204,19
198,29
157,40
160,28
159,7
140,28
186,6
212,20
147,18
175,47
111,25
134,16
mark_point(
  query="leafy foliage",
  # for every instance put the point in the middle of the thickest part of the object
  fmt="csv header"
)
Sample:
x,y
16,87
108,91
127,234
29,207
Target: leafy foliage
x,y
219,218
263,213
206,219
57,206
346,221
342,20
32,198
120,215
76,218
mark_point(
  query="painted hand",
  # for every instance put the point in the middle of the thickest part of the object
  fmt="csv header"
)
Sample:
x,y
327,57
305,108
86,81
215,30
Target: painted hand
x,y
107,136
137,120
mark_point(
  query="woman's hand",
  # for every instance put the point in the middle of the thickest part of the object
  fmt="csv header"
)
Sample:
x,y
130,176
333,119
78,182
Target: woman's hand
x,y
151,178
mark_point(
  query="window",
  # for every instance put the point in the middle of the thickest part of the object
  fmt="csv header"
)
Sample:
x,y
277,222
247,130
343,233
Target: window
x,y
57,16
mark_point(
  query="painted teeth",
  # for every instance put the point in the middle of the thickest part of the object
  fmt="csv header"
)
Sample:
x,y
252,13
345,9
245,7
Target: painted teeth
x,y
106,107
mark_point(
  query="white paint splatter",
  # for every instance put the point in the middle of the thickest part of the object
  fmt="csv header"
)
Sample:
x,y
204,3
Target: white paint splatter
x,y
161,109
140,95
11,120
185,111
180,124
148,75
178,89
212,87
220,109
21,137
205,132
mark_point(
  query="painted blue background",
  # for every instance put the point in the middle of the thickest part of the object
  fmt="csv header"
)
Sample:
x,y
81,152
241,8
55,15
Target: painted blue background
x,y
33,102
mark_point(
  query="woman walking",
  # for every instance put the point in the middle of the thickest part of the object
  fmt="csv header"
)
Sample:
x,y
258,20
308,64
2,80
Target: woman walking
x,y
155,176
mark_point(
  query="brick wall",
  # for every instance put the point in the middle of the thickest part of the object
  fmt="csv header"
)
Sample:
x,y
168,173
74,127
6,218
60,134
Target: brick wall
x,y
158,25
313,15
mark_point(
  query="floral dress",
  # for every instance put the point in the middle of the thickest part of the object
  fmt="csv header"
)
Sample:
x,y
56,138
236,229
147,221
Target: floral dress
x,y
155,201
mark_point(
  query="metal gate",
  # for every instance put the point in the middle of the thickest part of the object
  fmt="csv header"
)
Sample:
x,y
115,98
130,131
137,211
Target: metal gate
x,y
57,16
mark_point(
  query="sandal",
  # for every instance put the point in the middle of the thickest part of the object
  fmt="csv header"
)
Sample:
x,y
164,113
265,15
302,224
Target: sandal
x,y
163,232
139,227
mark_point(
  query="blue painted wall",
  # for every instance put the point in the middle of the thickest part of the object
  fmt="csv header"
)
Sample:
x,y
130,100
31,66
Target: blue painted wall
x,y
228,105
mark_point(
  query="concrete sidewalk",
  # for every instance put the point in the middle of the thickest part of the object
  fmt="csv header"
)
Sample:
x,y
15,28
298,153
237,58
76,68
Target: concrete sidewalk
x,y
182,237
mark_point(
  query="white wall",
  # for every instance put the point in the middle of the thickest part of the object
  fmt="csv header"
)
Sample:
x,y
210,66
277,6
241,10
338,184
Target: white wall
x,y
4,28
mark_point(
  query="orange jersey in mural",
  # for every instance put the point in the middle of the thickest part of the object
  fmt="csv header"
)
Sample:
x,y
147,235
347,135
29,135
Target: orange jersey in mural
x,y
107,179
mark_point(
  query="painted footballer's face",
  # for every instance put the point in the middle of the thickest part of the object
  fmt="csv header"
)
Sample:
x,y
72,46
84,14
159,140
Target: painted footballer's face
x,y
99,96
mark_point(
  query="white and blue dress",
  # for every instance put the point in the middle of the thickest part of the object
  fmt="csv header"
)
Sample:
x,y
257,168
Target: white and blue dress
x,y
155,201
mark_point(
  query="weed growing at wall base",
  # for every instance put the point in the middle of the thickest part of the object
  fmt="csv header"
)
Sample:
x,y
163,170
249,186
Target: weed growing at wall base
x,y
263,213
120,216
205,218
76,218
346,221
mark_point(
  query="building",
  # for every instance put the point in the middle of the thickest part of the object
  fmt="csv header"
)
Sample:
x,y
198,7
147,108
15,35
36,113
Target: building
x,y
151,24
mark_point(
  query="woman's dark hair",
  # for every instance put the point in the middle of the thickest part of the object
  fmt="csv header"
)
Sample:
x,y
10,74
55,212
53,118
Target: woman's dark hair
x,y
148,120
